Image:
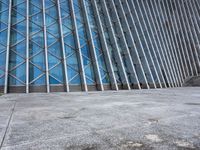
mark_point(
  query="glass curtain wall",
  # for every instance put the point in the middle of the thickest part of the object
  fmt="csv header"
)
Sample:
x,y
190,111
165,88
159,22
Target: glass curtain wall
x,y
83,45
17,51
37,68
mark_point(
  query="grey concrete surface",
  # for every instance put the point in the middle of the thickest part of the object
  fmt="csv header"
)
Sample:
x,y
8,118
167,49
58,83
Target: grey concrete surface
x,y
161,119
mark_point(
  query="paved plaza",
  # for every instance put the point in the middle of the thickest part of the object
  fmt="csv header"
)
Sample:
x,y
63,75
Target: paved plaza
x,y
160,119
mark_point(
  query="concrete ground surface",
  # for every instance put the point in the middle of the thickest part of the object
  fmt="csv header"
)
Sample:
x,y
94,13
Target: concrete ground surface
x,y
160,119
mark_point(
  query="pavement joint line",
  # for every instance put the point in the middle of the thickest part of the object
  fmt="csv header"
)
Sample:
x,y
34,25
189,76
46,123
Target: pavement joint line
x,y
8,125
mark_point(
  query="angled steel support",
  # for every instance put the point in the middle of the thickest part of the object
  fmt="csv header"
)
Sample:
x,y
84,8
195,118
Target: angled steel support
x,y
157,67
105,47
133,25
182,53
78,47
167,41
124,15
193,33
196,17
157,41
176,45
27,46
183,40
8,48
45,48
170,40
126,52
64,62
136,57
163,42
92,47
129,41
122,70
187,36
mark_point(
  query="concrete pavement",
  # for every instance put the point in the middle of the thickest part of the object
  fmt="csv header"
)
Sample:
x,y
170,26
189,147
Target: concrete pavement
x,y
148,119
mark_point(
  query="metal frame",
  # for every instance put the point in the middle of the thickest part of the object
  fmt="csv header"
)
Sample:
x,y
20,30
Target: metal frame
x,y
140,42
187,38
197,24
130,40
27,46
105,47
164,43
154,53
145,39
197,10
123,74
161,50
171,42
45,48
166,38
183,41
126,30
143,47
176,46
77,43
196,17
92,48
127,15
130,65
8,48
181,48
192,34
62,47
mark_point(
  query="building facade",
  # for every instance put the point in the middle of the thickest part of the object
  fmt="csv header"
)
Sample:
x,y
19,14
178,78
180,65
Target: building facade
x,y
84,45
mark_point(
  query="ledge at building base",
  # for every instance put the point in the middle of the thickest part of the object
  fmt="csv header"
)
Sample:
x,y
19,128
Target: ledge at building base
x,y
192,81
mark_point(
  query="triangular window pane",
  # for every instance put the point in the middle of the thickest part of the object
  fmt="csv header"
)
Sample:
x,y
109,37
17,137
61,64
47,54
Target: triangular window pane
x,y
34,72
55,49
38,38
52,60
39,60
53,81
76,80
19,72
40,81
20,48
14,60
69,40
57,72
3,37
